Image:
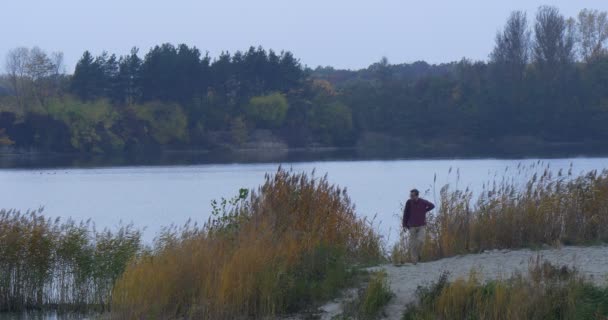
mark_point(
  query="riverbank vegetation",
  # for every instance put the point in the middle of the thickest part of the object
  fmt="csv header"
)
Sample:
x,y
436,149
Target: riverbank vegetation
x,y
543,88
552,208
546,292
294,242
62,265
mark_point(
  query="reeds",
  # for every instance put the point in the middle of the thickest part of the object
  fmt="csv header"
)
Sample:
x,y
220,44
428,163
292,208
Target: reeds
x,y
288,245
63,265
292,243
546,292
550,209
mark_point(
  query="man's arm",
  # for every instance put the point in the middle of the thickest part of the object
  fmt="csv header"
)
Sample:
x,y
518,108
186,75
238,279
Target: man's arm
x,y
429,206
406,214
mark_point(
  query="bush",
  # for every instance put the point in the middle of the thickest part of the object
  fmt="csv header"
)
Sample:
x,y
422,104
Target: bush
x,y
332,123
286,246
89,123
165,123
268,111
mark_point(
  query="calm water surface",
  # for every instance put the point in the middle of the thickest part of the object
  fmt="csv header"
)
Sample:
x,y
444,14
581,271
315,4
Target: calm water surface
x,y
46,315
153,197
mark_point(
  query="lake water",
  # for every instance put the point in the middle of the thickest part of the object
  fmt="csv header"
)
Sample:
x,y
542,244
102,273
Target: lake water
x,y
44,315
153,197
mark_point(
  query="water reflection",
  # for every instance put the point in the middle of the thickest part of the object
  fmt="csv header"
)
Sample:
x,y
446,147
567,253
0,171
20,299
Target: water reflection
x,y
47,315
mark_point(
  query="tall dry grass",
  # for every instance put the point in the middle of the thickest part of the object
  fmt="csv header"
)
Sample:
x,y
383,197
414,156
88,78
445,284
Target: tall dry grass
x,y
290,244
546,292
48,263
550,209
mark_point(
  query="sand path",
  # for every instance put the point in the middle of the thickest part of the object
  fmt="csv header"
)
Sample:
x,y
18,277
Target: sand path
x,y
590,261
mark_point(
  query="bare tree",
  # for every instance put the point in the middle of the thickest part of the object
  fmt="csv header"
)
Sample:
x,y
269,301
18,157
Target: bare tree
x,y
32,73
511,52
16,68
554,38
57,62
592,33
39,65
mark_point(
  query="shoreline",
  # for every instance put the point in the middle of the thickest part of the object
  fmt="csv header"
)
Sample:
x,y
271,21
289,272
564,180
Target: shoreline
x,y
591,261
23,159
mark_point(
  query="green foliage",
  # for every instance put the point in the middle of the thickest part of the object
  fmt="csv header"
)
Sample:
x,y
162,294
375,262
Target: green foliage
x,y
332,123
376,296
86,74
173,74
227,215
593,301
238,131
318,277
165,123
90,123
268,111
370,299
535,94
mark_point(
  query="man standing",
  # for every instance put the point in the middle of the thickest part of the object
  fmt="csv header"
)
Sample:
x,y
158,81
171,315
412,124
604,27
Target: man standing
x,y
414,219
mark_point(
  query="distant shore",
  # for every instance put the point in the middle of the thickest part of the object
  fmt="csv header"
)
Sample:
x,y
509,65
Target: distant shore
x,y
20,158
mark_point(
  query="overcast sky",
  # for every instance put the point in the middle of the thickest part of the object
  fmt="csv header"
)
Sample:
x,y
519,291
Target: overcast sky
x,y
341,33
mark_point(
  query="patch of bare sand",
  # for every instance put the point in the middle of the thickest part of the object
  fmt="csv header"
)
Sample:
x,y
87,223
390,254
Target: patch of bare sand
x,y
404,280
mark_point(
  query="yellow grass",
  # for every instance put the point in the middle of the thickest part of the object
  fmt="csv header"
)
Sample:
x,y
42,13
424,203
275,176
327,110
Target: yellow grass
x,y
551,209
65,265
546,292
288,245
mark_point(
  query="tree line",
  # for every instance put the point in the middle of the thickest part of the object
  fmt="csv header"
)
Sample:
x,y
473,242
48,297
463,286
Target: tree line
x,y
544,84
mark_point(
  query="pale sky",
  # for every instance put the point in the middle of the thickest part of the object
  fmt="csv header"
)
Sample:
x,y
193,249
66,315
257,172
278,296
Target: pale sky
x,y
341,33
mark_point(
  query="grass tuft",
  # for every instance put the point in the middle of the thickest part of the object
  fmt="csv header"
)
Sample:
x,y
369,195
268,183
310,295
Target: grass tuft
x,y
377,294
546,292
370,298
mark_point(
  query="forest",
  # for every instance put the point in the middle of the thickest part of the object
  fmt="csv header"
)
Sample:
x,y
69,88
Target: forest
x,y
543,86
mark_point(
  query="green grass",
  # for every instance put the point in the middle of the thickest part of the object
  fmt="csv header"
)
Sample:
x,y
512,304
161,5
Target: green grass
x,y
371,298
376,296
